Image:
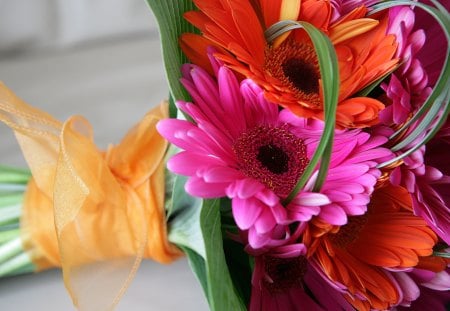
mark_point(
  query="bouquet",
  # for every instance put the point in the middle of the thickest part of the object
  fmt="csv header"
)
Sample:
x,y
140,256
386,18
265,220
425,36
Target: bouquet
x,y
306,145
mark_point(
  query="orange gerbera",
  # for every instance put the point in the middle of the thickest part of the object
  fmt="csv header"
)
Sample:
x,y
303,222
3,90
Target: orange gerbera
x,y
287,69
356,255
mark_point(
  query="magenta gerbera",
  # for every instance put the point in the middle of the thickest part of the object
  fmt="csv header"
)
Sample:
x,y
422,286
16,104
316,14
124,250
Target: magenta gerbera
x,y
409,86
243,147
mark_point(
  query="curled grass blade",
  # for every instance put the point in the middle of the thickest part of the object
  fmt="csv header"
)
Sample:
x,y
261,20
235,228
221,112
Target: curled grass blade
x,y
329,72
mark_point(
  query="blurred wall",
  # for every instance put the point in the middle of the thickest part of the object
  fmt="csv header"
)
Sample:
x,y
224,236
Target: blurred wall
x,y
37,24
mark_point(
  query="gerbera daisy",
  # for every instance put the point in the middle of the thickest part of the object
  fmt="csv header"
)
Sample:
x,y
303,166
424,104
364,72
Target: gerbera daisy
x,y
244,148
358,254
408,87
287,69
285,284
426,175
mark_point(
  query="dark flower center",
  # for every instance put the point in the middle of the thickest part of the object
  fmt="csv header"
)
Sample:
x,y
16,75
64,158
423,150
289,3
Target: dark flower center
x,y
274,158
284,273
296,67
349,232
272,155
302,74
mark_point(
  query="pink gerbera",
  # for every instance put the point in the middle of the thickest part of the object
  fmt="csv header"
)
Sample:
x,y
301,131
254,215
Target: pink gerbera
x,y
408,87
243,147
422,48
426,175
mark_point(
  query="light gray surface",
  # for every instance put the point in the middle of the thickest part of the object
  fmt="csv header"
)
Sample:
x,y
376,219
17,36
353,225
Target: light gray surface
x,y
112,85
155,288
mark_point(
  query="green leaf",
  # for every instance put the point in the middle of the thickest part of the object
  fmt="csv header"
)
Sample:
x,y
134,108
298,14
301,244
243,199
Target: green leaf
x,y
222,295
169,15
239,262
240,267
173,110
184,219
197,231
198,266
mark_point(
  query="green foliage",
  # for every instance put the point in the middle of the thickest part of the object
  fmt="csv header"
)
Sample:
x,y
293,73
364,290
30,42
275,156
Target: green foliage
x,y
184,219
169,14
222,295
197,230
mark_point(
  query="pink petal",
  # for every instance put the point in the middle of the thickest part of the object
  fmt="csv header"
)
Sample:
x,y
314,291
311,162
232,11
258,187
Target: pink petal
x,y
333,214
268,197
265,222
440,282
256,240
244,188
245,212
279,213
187,163
221,174
198,187
408,287
347,171
311,199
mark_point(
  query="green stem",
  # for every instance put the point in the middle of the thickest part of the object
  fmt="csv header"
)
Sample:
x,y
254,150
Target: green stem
x,y
8,235
14,175
11,198
17,265
441,254
10,249
10,213
12,187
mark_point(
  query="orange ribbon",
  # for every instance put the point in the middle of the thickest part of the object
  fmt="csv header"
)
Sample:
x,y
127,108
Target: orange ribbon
x,y
97,214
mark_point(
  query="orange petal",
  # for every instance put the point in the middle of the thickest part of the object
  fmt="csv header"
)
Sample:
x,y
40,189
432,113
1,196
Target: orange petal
x,y
362,117
270,10
195,47
350,29
431,263
316,12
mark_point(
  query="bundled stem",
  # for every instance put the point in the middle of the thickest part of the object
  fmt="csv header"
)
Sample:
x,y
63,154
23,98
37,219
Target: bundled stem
x,y
13,258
